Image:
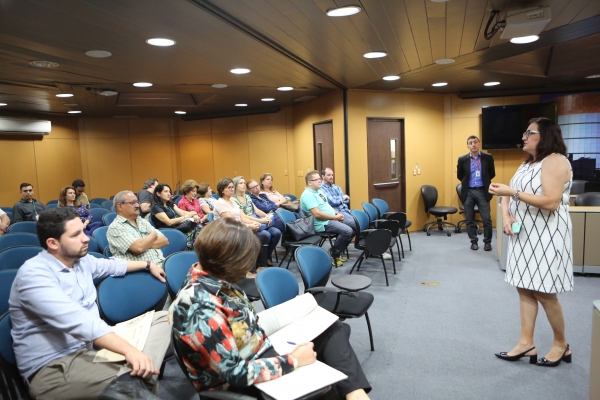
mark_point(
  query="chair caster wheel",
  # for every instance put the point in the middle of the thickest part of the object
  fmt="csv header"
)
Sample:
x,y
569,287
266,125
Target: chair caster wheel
x,y
428,234
449,234
457,230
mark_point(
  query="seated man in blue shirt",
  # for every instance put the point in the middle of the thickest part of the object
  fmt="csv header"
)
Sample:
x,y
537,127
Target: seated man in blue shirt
x,y
336,198
55,319
314,202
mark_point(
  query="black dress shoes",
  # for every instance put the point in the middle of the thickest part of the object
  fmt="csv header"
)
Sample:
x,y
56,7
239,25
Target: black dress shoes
x,y
487,247
532,359
544,362
474,246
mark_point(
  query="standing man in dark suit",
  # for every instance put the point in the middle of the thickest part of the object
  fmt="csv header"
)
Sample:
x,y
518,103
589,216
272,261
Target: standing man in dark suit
x,y
476,170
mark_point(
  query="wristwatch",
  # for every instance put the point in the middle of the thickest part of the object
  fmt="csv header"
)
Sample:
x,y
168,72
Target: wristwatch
x,y
148,265
516,195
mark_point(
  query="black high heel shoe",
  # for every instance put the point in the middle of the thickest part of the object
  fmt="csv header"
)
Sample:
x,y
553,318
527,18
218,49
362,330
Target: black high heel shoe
x,y
504,355
544,362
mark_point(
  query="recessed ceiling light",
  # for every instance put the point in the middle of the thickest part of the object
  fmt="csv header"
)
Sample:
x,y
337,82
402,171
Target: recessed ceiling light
x,y
267,99
160,42
240,71
443,61
285,88
98,53
142,84
180,112
375,54
3,104
43,64
391,78
64,95
524,39
74,112
219,85
592,76
241,105
107,92
491,83
440,84
343,11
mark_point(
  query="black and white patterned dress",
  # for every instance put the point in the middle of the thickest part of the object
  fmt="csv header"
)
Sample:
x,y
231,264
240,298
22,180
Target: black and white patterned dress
x,y
540,257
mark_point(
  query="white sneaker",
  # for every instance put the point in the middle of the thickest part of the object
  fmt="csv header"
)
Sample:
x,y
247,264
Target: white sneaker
x,y
386,256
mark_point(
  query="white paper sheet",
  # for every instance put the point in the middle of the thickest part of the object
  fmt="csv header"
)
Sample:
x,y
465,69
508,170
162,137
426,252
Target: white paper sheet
x,y
135,331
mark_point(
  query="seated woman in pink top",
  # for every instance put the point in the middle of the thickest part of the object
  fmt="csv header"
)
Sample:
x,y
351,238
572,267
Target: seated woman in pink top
x,y
189,202
266,187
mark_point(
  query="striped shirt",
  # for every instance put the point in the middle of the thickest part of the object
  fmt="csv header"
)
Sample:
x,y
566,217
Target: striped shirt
x,y
121,234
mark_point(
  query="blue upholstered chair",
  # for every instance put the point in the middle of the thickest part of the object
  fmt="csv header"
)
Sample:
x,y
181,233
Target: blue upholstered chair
x,y
11,384
384,212
18,239
53,205
98,200
176,266
23,227
177,241
291,196
107,204
14,257
108,218
7,276
95,206
98,213
100,236
52,202
276,286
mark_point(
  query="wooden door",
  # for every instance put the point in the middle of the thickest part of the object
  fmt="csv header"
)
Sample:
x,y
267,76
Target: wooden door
x,y
385,142
323,142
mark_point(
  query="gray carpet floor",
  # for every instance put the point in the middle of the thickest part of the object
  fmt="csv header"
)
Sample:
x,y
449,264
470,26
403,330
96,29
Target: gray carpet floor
x,y
438,342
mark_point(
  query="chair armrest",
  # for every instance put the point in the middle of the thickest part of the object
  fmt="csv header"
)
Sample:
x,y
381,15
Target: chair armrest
x,y
223,395
317,289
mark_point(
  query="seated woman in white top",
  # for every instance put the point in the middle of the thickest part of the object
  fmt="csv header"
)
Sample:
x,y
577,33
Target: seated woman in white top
x,y
206,199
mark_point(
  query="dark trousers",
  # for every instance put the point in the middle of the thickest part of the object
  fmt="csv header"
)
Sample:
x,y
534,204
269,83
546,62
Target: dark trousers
x,y
268,239
333,348
477,196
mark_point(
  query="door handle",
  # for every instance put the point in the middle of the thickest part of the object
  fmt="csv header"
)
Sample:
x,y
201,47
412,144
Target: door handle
x,y
385,184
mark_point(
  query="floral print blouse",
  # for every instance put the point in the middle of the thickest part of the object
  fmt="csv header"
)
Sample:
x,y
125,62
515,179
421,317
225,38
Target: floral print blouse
x,y
218,337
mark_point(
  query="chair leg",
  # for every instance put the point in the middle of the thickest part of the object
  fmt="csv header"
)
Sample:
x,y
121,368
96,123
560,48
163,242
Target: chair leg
x,y
393,261
398,247
287,251
361,261
357,261
370,332
409,244
321,241
384,270
292,257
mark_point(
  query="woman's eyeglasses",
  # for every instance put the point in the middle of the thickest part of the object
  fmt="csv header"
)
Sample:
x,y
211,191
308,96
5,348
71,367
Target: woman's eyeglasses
x,y
528,133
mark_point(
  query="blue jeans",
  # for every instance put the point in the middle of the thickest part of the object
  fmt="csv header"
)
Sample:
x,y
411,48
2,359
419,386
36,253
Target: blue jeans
x,y
344,236
477,196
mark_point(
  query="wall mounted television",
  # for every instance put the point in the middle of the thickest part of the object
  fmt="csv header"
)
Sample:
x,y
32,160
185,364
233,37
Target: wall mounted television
x,y
502,127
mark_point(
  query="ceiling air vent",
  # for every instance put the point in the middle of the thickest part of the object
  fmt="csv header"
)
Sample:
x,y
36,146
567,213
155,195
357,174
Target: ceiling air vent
x,y
156,99
407,89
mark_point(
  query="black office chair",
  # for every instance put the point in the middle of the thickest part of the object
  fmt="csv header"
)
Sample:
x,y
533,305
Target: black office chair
x,y
462,211
588,199
578,186
430,196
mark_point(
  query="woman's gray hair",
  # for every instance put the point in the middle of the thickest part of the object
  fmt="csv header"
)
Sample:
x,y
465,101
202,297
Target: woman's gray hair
x,y
120,197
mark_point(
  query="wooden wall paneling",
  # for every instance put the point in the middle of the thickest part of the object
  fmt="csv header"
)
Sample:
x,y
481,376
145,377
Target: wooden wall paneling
x,y
230,152
473,13
196,159
109,161
262,122
18,164
417,16
194,128
227,125
455,17
57,166
151,157
268,153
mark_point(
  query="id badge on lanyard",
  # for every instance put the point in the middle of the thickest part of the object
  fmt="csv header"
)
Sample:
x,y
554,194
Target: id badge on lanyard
x,y
477,173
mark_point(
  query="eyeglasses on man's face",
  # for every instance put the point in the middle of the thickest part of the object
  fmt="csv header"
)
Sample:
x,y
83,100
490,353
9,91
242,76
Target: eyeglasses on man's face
x,y
528,133
252,188
131,202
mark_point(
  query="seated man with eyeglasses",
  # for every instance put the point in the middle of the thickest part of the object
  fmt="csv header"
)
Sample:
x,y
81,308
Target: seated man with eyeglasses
x,y
313,202
130,236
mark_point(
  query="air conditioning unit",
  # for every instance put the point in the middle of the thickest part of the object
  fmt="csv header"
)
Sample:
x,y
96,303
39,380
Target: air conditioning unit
x,y
19,126
527,23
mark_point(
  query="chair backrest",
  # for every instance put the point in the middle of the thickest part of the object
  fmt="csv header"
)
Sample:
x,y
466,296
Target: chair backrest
x,y
382,207
578,186
7,276
108,218
430,195
18,239
458,191
14,257
96,254
286,216
6,342
211,217
177,266
23,227
216,196
11,383
314,264
95,206
392,225
276,286
107,204
588,199
53,205
98,213
9,214
123,297
177,241
400,217
361,218
52,202
291,196
100,235
92,244
98,200
377,242
370,210
6,208
107,253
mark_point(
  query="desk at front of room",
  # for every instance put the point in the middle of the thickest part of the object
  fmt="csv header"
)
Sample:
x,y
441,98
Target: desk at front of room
x,y
586,239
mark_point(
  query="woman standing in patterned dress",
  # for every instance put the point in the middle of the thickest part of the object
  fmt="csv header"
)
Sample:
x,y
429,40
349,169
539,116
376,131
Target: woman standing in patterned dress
x,y
540,259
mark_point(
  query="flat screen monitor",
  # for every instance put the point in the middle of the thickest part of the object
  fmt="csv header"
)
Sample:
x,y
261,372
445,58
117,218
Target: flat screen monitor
x,y
502,127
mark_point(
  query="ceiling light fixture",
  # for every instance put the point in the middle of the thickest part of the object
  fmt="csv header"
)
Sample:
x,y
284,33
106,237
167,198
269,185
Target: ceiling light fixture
x,y
107,92
524,39
438,84
219,85
267,99
443,61
491,83
391,78
592,76
240,71
98,53
74,112
43,64
64,95
343,11
162,42
375,54
180,112
241,105
142,84
3,104
285,88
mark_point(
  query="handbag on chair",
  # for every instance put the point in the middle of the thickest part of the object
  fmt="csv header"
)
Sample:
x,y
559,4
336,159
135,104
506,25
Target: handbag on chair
x,y
301,228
